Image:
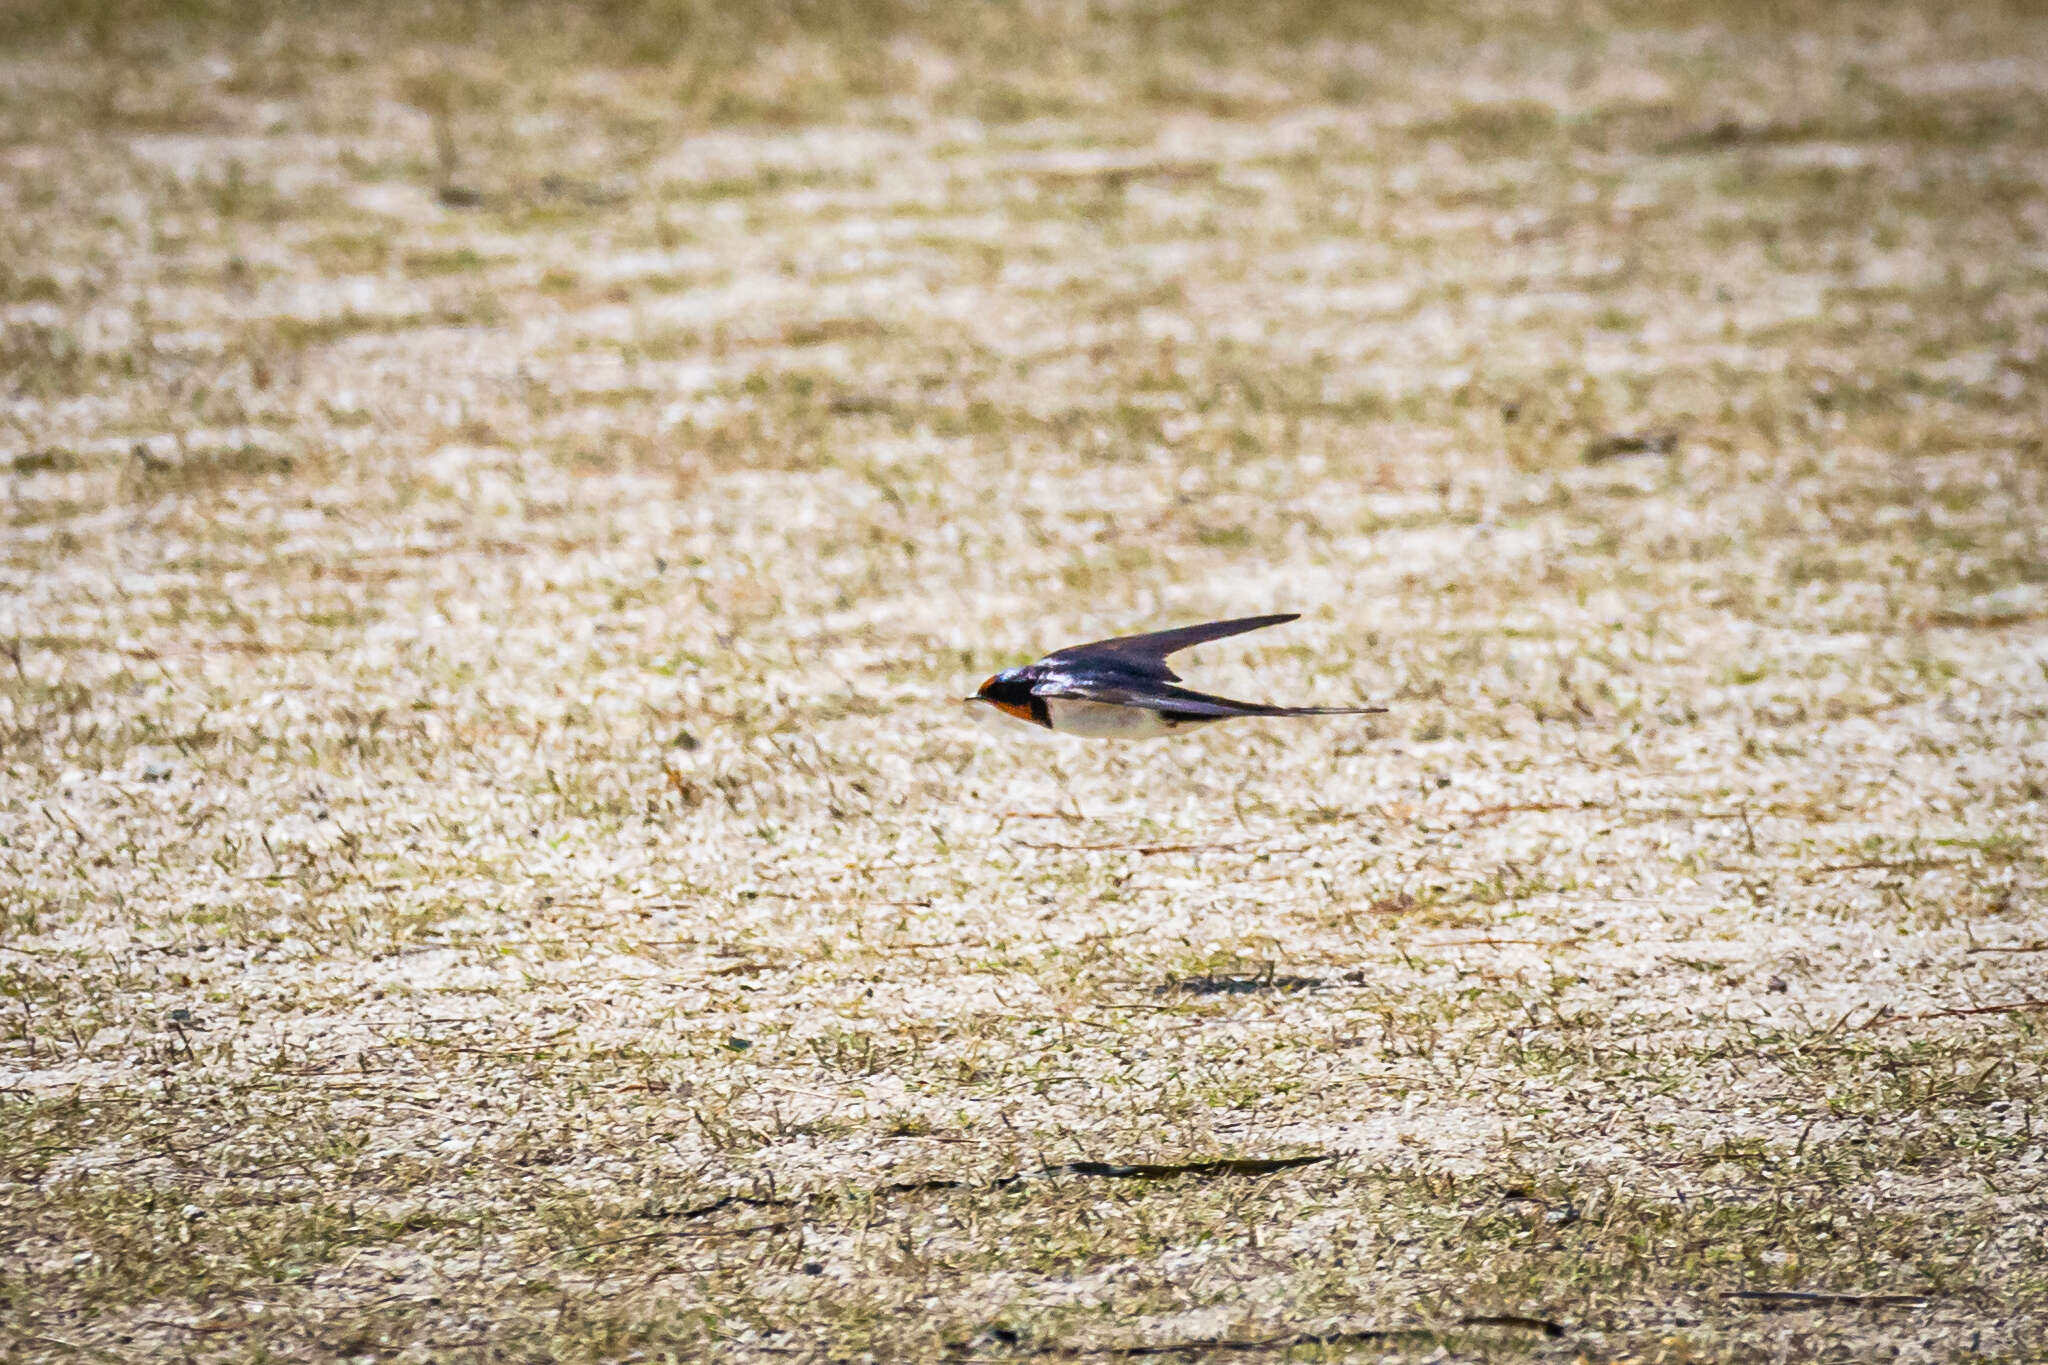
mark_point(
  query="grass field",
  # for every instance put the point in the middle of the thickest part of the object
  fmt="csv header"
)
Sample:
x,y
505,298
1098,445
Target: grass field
x,y
501,505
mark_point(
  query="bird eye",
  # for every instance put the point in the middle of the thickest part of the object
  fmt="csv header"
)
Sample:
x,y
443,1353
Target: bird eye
x,y
987,686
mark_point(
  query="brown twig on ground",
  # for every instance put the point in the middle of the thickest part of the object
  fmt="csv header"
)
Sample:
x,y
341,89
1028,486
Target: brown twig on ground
x,y
1881,865
1881,1017
1615,445
1343,1336
1239,985
1800,1298
1100,1170
1517,807
1147,850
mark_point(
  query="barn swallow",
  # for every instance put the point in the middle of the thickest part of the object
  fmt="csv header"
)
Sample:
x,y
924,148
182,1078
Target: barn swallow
x,y
1122,688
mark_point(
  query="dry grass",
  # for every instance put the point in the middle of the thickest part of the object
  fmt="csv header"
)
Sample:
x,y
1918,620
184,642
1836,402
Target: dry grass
x,y
498,504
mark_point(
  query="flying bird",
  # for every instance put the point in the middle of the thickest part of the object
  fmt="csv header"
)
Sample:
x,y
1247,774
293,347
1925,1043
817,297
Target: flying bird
x,y
1122,688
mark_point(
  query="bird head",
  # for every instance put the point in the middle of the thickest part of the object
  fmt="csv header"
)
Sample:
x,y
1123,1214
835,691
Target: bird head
x,y
1008,691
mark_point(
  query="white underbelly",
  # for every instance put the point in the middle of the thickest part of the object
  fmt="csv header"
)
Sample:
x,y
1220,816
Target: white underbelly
x,y
1100,720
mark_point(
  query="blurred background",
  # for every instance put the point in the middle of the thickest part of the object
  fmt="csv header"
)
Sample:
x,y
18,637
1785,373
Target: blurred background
x,y
501,501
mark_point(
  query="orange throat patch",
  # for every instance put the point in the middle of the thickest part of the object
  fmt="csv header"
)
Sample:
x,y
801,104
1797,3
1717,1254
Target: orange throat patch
x,y
1021,712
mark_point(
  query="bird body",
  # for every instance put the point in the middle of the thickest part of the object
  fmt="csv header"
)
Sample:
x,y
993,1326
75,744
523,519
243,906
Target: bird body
x,y
1122,688
1108,720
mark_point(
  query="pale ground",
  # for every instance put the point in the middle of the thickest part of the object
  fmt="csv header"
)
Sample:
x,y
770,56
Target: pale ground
x,y
496,522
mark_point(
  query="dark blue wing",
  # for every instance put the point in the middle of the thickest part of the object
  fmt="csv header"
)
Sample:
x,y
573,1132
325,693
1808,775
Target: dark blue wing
x,y
1144,656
